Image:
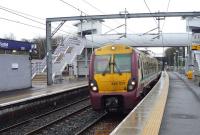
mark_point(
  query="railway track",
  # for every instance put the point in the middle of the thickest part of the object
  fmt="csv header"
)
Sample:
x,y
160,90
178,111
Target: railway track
x,y
103,126
36,124
106,124
92,123
76,118
21,111
75,124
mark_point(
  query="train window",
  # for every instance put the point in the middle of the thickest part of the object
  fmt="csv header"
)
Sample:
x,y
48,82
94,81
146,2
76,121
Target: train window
x,y
102,63
122,63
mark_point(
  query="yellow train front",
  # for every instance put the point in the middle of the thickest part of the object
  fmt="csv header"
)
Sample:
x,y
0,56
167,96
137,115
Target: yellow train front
x,y
116,77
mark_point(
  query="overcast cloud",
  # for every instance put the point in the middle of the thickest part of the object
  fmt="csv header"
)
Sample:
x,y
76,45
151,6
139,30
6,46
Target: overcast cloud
x,y
56,8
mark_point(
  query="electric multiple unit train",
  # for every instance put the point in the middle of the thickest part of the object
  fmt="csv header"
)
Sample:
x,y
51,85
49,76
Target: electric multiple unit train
x,y
118,75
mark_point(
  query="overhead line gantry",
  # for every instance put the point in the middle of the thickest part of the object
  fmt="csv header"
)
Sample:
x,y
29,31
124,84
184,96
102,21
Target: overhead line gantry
x,y
100,17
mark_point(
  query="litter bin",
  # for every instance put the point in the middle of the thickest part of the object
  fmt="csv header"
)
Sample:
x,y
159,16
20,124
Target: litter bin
x,y
189,74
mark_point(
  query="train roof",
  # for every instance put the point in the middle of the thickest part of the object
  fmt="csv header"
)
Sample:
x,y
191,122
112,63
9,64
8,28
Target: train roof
x,y
106,46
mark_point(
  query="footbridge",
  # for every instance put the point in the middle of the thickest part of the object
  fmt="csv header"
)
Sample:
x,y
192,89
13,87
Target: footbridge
x,y
139,40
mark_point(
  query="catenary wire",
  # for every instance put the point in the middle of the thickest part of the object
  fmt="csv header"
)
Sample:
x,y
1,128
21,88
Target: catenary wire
x,y
87,14
10,20
14,21
98,9
28,18
22,14
18,13
150,11
83,12
166,11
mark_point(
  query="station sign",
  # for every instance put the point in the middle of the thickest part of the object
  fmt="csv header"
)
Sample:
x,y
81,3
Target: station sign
x,y
195,47
15,45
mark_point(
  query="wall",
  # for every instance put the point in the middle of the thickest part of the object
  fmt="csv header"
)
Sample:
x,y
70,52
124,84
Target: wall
x,y
97,25
11,77
82,68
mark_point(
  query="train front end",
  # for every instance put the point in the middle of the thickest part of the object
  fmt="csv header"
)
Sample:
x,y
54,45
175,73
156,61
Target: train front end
x,y
113,78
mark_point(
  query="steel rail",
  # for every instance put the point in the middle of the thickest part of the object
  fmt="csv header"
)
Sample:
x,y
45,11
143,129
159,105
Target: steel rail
x,y
57,120
39,116
91,124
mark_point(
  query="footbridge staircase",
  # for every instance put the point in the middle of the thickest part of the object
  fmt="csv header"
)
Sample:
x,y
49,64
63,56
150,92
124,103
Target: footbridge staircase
x,y
64,54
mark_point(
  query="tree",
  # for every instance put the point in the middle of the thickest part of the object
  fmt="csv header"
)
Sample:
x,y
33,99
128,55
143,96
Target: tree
x,y
10,36
41,46
170,54
40,43
26,40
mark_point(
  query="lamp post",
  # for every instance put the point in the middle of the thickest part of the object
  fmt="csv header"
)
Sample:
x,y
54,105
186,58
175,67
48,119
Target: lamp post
x,y
180,64
174,61
177,63
180,58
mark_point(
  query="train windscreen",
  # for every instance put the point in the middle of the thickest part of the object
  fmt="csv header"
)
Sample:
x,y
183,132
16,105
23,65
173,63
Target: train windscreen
x,y
122,63
102,64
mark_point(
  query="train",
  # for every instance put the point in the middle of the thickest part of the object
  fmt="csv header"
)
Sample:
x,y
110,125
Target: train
x,y
119,75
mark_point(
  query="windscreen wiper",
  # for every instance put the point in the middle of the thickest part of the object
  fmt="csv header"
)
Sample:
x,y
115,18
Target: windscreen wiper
x,y
108,66
118,70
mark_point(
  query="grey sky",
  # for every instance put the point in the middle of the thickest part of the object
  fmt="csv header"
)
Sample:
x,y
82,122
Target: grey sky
x,y
56,8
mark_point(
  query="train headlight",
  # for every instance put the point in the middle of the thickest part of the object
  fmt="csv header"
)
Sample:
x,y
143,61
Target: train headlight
x,y
91,84
133,82
130,87
113,48
94,88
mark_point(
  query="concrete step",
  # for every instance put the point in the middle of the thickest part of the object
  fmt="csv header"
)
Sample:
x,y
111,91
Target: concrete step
x,y
40,78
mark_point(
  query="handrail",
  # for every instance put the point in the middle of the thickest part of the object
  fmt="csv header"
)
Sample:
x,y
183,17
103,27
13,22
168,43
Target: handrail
x,y
68,58
61,52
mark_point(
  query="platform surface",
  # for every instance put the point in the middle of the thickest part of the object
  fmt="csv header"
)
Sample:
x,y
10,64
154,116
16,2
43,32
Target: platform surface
x,y
15,96
141,119
182,111
175,113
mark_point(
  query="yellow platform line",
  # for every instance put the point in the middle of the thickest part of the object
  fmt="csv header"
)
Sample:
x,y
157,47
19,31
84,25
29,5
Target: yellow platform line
x,y
153,123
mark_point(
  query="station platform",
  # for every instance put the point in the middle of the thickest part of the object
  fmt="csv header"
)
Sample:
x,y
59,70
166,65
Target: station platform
x,y
182,111
37,91
171,108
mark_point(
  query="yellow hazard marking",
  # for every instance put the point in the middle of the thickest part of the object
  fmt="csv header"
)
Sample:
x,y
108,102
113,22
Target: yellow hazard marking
x,y
153,123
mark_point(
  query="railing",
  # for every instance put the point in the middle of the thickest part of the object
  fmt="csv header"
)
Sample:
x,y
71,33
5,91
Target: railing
x,y
75,48
39,67
64,54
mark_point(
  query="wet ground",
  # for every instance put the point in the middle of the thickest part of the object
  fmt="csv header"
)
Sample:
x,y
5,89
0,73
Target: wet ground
x,y
182,111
